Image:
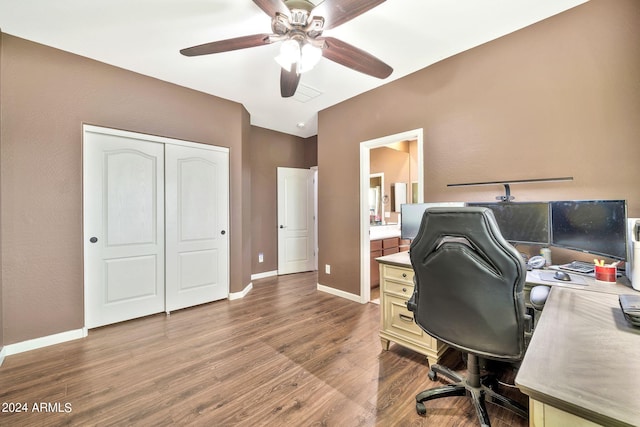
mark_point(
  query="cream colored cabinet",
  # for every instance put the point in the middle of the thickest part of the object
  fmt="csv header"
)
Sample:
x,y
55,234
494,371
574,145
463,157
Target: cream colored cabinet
x,y
396,324
543,415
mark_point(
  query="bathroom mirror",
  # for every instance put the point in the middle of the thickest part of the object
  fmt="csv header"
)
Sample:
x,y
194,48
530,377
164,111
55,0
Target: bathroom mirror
x,y
376,205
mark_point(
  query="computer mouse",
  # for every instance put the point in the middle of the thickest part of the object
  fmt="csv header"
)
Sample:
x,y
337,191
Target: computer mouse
x,y
561,275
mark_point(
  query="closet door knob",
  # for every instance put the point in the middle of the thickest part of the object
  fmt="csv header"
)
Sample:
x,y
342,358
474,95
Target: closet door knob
x,y
223,232
93,239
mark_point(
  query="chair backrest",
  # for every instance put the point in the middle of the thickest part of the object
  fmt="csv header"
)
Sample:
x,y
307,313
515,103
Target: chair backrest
x,y
469,283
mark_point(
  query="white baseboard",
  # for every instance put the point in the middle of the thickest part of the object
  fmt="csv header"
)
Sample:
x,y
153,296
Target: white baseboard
x,y
242,294
2,352
339,293
264,275
35,343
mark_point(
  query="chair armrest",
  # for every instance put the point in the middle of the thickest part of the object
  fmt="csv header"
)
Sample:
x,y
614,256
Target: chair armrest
x,y
411,304
528,324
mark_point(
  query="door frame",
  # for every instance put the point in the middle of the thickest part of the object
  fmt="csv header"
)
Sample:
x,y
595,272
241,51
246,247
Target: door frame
x,y
144,137
315,216
365,169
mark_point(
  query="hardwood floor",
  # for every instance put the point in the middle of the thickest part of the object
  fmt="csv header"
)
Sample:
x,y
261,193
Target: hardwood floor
x,y
285,355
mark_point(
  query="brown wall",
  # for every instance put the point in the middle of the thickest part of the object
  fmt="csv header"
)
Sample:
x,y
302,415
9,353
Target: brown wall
x,y
46,96
559,98
240,207
270,150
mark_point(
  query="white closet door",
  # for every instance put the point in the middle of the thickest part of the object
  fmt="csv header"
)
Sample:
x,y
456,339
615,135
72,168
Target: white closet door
x,y
295,221
123,227
197,199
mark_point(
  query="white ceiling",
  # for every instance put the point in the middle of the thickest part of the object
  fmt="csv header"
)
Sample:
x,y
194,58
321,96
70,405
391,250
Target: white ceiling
x,y
145,36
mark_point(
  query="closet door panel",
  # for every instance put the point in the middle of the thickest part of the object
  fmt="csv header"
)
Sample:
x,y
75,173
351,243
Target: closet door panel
x,y
123,228
196,226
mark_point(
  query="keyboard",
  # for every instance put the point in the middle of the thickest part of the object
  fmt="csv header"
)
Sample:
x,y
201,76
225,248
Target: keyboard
x,y
579,267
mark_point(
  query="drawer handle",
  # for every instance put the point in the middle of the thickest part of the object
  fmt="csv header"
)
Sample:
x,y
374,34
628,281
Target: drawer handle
x,y
404,290
406,318
404,275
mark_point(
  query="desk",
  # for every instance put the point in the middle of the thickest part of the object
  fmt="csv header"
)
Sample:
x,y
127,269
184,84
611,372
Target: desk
x,y
583,362
582,283
583,359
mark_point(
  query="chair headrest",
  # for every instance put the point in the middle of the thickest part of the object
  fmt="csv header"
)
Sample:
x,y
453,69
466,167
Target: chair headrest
x,y
475,227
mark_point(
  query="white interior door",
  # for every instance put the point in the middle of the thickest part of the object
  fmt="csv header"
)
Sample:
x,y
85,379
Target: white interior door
x,y
123,228
197,198
295,221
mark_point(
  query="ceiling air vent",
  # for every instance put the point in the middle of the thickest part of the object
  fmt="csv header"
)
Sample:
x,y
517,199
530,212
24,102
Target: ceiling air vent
x,y
306,93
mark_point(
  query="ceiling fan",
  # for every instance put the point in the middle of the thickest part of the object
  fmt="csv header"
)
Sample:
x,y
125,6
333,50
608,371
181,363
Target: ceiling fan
x,y
296,24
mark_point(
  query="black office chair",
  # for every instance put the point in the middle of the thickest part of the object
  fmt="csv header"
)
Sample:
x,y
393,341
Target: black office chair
x,y
469,294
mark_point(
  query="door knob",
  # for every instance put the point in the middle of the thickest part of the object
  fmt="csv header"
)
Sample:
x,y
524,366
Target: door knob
x,y
223,232
283,226
93,239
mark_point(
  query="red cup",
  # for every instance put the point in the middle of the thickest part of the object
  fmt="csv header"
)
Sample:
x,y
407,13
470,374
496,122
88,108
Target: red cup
x,y
606,273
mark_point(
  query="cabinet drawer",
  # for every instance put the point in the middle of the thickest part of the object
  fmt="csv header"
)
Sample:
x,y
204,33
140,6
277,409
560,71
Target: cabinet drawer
x,y
375,245
390,251
390,243
404,275
401,290
399,320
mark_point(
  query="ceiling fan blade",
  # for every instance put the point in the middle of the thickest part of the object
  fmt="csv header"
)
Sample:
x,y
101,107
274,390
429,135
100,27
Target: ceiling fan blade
x,y
337,12
227,45
354,58
288,82
270,7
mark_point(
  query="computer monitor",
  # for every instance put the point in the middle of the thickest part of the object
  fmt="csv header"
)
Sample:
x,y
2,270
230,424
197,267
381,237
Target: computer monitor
x,y
597,227
521,222
411,216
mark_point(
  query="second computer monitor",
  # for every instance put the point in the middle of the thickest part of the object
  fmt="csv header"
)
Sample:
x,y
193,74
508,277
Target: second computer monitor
x,y
597,227
521,222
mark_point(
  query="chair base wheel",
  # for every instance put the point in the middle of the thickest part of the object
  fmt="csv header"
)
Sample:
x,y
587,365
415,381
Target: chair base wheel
x,y
479,389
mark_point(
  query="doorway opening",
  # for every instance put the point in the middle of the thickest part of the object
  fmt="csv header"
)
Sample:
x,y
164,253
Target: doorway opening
x,y
388,213
297,227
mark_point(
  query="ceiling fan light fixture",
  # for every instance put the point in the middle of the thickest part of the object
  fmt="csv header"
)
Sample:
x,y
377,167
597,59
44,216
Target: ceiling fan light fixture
x,y
300,54
290,54
310,56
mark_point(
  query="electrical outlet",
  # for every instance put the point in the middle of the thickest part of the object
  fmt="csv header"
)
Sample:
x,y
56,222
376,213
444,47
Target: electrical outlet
x,y
260,257
327,269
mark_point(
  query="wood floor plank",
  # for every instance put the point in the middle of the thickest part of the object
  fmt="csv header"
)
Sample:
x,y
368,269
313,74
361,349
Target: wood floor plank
x,y
284,355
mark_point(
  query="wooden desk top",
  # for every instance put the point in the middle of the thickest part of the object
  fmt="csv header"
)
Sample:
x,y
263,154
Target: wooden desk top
x,y
584,358
399,259
536,277
580,282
